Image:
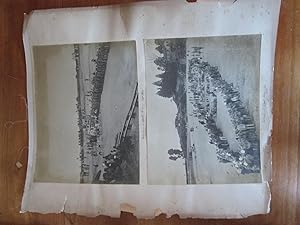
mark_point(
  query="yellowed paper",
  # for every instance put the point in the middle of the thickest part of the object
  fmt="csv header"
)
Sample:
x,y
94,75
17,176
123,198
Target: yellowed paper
x,y
90,75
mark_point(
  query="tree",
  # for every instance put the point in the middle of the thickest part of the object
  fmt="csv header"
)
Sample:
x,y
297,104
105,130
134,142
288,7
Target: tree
x,y
161,75
175,154
158,83
164,92
161,62
173,158
160,49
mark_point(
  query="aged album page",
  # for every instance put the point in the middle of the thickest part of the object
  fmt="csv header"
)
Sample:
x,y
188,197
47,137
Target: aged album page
x,y
151,107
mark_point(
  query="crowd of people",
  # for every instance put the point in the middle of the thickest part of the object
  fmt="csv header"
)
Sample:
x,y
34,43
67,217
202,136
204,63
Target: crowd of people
x,y
205,82
90,126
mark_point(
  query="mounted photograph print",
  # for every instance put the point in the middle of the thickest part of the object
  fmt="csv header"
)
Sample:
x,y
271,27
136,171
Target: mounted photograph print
x,y
89,133
206,130
154,107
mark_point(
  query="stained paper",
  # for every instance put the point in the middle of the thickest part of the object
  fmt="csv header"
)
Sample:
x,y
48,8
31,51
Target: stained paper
x,y
167,103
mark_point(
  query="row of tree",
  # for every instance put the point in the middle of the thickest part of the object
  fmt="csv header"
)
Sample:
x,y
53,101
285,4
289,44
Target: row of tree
x,y
173,53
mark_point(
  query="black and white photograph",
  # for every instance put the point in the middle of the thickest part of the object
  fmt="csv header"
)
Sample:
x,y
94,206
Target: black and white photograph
x,y
203,110
151,108
97,135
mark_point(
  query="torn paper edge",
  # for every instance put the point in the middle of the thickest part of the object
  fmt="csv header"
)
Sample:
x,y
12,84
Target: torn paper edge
x,y
31,191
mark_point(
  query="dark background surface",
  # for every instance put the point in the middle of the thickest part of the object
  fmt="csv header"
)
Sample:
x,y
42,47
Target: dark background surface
x,y
13,136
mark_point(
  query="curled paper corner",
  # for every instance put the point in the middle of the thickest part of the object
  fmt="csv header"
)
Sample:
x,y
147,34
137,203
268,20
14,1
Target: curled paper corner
x,y
125,207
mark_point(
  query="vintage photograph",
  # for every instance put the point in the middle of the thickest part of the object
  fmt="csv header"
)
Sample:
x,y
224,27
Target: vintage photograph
x,y
101,93
203,110
107,106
